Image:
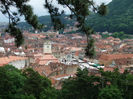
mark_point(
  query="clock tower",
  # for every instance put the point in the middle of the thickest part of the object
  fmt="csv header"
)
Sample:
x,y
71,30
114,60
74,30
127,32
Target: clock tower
x,y
47,47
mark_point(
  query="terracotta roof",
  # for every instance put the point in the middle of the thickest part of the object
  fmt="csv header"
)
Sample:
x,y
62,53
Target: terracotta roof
x,y
74,48
52,68
43,60
48,57
110,38
47,70
6,60
62,76
108,57
34,35
112,69
43,70
104,46
77,53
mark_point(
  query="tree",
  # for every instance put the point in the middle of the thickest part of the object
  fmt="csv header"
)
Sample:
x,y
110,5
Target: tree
x,y
14,17
79,8
90,49
27,84
119,18
122,81
11,82
38,86
108,85
80,87
110,92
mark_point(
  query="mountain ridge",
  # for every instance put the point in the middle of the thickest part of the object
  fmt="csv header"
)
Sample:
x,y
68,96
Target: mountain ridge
x,y
119,18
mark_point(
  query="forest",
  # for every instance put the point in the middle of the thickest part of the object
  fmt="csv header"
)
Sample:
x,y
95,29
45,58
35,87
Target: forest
x,y
28,84
119,18
46,20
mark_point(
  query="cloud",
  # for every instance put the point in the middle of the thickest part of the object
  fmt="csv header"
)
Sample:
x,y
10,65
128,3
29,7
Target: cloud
x,y
102,1
38,8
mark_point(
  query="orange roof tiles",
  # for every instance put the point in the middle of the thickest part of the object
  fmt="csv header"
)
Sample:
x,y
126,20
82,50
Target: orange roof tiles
x,y
48,57
45,58
6,60
111,69
34,35
104,46
115,56
110,38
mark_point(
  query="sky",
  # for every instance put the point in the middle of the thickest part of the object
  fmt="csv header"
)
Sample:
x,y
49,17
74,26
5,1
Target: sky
x,y
39,10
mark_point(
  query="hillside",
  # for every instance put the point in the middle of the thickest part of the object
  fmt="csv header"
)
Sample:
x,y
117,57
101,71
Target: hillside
x,y
46,20
119,18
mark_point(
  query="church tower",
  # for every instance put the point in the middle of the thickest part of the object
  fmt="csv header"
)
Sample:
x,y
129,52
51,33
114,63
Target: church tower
x,y
47,47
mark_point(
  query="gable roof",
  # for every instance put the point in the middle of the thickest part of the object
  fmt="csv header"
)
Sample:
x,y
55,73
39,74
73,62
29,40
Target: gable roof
x,y
7,60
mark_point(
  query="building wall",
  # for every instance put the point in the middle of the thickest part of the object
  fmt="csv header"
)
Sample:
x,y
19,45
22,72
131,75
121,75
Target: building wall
x,y
71,69
69,57
47,47
20,64
31,60
68,70
105,63
9,40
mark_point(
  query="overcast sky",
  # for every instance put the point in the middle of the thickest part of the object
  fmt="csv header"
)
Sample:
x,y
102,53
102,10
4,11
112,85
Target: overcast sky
x,y
39,9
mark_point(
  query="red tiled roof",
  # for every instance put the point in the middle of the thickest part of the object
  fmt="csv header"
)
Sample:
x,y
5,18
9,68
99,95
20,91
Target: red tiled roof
x,y
108,57
43,60
6,60
112,69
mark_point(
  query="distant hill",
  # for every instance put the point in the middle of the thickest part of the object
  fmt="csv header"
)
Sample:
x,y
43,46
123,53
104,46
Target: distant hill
x,y
119,18
3,25
46,20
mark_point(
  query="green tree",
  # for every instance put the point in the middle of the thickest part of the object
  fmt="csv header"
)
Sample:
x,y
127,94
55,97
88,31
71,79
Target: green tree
x,y
122,81
11,82
80,87
90,49
38,86
27,84
110,92
80,9
23,9
119,18
108,85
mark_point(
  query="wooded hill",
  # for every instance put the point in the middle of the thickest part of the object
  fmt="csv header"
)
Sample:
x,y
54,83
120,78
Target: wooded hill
x,y
46,20
119,18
